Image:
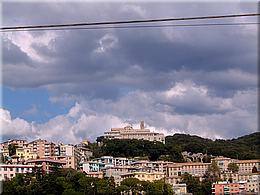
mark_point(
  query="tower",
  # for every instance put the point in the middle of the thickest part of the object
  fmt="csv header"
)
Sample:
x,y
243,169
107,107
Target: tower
x,y
142,125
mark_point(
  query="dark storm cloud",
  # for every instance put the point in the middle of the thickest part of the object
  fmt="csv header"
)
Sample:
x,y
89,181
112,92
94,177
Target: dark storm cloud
x,y
13,55
109,64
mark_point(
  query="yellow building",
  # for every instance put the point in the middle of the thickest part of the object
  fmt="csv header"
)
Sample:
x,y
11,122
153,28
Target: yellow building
x,y
144,176
25,153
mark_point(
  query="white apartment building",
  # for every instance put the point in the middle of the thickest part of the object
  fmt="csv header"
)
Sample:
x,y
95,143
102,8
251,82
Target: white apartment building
x,y
114,161
129,132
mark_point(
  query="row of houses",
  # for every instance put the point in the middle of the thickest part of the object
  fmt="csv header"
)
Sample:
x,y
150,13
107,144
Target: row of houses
x,y
121,168
73,155
42,155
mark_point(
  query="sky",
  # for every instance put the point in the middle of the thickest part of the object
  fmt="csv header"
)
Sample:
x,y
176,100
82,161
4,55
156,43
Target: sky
x,y
72,85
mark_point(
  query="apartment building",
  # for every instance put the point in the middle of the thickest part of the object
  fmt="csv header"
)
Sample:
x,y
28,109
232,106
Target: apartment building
x,y
223,162
160,166
8,171
114,161
117,171
221,188
85,152
196,169
129,132
92,166
253,181
18,143
25,153
46,164
43,148
144,176
71,154
246,166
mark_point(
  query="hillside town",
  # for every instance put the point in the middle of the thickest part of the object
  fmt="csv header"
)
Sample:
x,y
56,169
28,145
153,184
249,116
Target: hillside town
x,y
23,157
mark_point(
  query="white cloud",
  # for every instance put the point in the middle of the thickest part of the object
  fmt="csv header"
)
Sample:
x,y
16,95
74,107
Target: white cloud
x,y
14,127
89,119
107,42
25,41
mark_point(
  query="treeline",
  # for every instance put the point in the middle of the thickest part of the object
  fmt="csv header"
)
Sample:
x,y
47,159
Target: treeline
x,y
137,148
246,147
71,182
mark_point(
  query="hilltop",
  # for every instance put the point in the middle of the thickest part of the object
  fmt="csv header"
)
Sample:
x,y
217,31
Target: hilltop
x,y
245,147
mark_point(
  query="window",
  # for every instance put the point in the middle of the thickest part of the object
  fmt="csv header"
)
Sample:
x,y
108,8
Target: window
x,y
5,169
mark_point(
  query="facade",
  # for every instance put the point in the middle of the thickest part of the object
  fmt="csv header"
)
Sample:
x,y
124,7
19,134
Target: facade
x,y
114,161
42,148
179,189
92,166
223,162
144,176
253,181
8,171
117,171
221,188
26,153
47,165
196,169
129,132
246,166
85,152
70,153
145,165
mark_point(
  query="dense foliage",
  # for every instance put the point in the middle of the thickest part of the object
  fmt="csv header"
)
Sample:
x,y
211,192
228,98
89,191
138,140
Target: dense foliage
x,y
138,148
71,182
246,147
195,186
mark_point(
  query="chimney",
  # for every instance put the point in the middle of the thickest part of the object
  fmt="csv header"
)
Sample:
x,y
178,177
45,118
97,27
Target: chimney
x,y
142,125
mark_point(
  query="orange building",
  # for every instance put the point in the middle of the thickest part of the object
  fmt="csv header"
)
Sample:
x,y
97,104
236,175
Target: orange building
x,y
221,188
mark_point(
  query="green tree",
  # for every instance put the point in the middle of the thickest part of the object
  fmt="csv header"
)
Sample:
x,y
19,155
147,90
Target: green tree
x,y
233,167
133,184
12,149
193,184
254,170
213,172
159,187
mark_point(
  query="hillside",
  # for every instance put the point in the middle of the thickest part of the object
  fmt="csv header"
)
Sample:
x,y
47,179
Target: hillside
x,y
245,147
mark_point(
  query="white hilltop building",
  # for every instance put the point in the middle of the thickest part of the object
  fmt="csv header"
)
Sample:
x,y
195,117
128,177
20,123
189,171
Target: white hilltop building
x,y
129,132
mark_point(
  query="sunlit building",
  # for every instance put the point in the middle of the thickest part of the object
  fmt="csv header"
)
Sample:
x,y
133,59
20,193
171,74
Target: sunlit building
x,y
129,132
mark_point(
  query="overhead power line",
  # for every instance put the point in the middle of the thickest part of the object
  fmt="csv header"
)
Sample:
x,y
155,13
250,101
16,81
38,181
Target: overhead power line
x,y
136,26
128,21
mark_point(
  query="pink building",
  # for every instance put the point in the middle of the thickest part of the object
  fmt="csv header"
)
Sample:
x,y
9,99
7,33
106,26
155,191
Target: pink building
x,y
8,171
47,164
